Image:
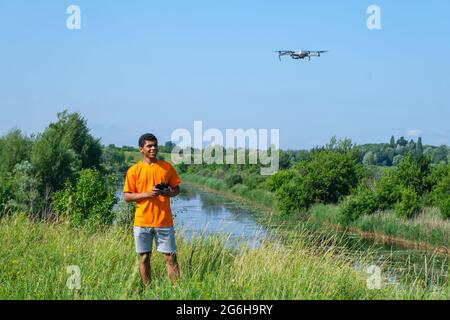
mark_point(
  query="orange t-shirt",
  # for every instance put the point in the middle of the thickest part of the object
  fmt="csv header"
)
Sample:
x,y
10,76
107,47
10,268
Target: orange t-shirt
x,y
142,177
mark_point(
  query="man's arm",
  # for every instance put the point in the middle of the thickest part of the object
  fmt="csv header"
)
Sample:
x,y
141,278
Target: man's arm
x,y
135,197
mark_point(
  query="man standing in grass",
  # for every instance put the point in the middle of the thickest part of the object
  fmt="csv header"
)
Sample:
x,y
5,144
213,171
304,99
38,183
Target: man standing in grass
x,y
151,183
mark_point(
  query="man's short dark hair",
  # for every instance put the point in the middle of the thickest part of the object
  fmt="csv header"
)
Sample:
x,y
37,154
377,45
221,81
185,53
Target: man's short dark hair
x,y
147,137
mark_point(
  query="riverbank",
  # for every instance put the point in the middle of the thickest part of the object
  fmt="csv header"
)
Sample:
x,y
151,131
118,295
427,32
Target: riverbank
x,y
427,231
41,260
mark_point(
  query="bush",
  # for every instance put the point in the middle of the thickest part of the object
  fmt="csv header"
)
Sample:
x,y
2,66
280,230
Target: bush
x,y
91,199
124,212
364,202
233,180
327,177
273,183
409,204
5,193
413,172
444,207
440,195
387,190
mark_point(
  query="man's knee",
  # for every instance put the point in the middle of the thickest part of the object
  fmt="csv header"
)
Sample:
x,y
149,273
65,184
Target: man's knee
x,y
145,257
170,259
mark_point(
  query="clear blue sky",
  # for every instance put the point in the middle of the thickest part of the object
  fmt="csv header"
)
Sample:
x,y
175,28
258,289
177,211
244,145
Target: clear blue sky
x,y
138,66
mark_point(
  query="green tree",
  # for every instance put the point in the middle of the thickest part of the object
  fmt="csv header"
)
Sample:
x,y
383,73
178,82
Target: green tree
x,y
113,159
402,142
397,160
369,158
419,149
14,148
91,199
440,154
392,142
53,160
75,135
25,189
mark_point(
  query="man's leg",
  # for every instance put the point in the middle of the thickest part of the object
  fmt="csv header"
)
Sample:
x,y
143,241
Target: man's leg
x,y
144,267
144,239
173,269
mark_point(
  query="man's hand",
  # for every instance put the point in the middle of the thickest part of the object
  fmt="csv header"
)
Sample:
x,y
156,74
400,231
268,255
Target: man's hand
x,y
154,193
171,192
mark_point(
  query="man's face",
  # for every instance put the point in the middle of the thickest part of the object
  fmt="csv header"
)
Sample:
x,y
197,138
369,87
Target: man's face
x,y
150,149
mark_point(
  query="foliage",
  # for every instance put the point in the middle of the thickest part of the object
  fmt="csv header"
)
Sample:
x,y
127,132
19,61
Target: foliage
x,y
113,159
409,205
362,202
24,189
123,212
444,207
91,199
63,149
5,192
441,191
329,175
14,148
233,180
74,134
53,161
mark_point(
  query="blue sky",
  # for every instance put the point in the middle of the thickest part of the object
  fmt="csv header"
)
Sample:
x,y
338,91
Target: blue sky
x,y
147,66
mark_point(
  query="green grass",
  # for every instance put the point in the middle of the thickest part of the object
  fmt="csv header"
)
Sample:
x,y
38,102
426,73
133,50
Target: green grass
x,y
428,226
35,256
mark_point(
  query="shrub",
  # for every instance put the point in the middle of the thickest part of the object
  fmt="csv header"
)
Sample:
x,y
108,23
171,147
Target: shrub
x,y
233,180
327,177
5,193
91,199
364,202
409,203
441,193
413,172
124,212
387,190
444,207
219,174
273,183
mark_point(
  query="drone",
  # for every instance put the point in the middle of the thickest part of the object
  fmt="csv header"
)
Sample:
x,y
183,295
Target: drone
x,y
301,54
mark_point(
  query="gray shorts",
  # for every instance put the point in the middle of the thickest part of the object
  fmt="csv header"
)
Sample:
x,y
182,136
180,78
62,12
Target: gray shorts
x,y
164,239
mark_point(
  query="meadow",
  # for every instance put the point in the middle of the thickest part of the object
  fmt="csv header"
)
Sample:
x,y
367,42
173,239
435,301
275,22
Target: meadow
x,y
37,258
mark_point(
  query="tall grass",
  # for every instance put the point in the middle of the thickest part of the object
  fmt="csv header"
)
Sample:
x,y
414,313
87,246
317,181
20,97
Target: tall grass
x,y
35,256
427,227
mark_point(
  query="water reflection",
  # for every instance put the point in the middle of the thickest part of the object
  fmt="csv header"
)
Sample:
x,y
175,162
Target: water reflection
x,y
198,212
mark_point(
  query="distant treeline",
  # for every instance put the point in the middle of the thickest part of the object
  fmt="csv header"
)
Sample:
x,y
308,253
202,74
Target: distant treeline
x,y
66,170
381,154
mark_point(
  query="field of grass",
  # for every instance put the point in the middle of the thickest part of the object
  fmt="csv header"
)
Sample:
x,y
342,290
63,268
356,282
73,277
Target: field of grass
x,y
35,256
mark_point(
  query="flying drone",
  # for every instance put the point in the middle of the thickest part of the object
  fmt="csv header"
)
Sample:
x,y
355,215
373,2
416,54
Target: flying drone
x,y
301,54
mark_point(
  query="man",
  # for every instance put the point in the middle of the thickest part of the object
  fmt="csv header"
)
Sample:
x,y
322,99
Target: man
x,y
153,217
